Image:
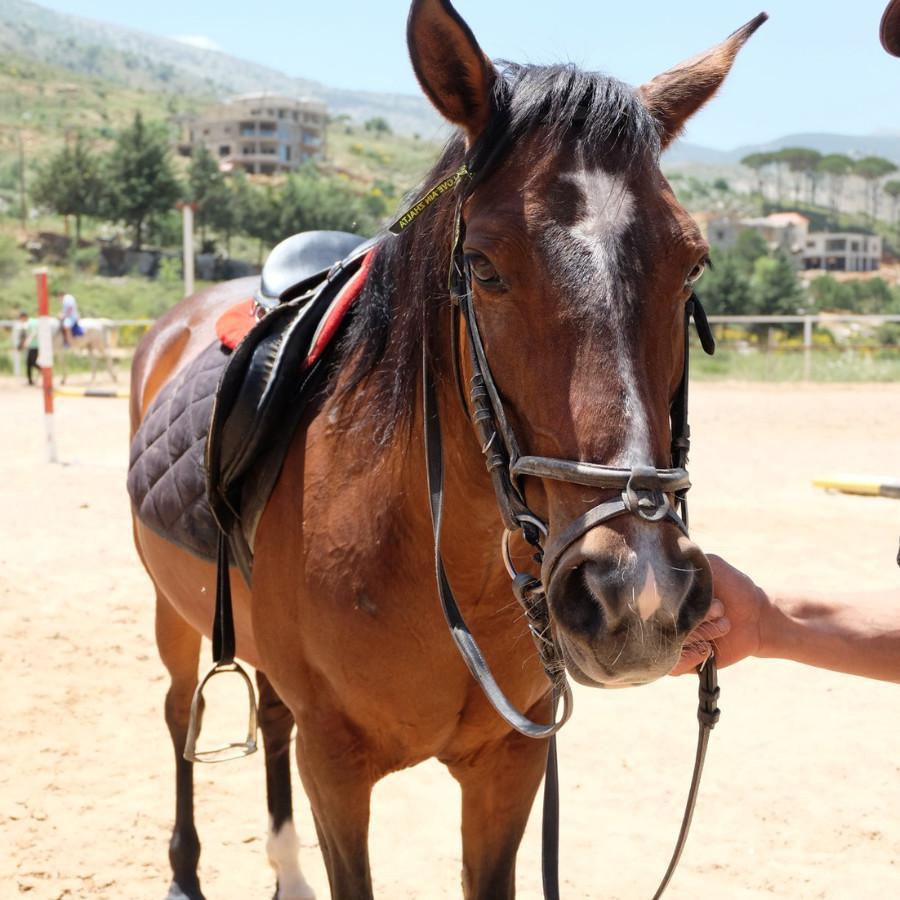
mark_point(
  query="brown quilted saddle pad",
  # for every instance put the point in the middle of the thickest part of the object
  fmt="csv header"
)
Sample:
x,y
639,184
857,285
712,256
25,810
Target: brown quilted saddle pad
x,y
166,469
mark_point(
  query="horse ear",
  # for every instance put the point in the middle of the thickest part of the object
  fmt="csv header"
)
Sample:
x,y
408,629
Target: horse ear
x,y
676,95
450,66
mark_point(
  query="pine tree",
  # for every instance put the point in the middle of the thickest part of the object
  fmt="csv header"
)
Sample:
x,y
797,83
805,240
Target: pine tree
x,y
775,287
70,183
206,189
140,180
872,169
725,288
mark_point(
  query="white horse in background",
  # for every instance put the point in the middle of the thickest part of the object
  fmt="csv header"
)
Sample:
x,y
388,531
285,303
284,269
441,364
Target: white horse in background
x,y
95,342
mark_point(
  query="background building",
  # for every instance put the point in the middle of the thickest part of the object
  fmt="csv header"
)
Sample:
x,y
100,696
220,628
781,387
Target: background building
x,y
262,134
842,252
789,232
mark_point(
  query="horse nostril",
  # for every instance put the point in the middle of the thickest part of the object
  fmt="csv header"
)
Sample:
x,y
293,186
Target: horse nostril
x,y
575,603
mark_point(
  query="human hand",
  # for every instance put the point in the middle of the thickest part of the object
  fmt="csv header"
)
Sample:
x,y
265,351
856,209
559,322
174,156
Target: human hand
x,y
732,625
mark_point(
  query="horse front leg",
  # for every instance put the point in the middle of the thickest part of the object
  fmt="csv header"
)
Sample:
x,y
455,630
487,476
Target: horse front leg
x,y
179,649
498,785
338,776
283,845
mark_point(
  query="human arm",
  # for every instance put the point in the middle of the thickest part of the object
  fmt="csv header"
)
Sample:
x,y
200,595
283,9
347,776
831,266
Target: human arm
x,y
858,634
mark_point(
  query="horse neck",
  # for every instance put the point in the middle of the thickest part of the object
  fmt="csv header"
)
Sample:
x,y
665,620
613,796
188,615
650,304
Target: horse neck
x,y
471,515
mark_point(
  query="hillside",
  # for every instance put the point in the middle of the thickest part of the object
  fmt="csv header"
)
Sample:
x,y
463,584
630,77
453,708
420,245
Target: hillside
x,y
41,103
138,61
684,154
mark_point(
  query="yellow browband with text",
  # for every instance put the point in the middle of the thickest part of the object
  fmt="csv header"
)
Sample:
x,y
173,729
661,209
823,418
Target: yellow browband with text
x,y
427,199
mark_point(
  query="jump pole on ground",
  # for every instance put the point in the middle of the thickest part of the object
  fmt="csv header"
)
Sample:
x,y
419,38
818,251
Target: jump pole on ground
x,y
45,360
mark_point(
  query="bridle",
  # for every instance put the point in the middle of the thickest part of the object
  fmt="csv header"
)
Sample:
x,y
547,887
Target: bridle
x,y
643,491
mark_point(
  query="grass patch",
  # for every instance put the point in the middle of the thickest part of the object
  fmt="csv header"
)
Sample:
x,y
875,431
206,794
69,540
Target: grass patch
x,y
130,297
785,366
394,163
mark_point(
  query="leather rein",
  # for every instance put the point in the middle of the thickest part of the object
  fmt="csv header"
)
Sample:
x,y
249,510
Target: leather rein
x,y
643,491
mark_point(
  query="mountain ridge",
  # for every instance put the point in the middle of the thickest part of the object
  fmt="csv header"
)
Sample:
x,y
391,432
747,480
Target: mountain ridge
x,y
141,61
854,145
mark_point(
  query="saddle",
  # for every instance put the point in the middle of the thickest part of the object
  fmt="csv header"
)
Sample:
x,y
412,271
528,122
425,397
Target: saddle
x,y
212,444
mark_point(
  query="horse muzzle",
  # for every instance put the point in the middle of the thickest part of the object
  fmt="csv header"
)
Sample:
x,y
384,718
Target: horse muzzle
x,y
621,613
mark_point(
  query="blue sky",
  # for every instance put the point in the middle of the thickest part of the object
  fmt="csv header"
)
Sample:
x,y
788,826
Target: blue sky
x,y
814,66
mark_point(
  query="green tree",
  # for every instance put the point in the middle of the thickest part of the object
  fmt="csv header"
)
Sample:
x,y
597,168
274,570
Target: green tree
x,y
802,161
775,288
726,288
206,189
870,296
140,179
872,169
257,212
10,260
758,162
748,248
828,294
378,124
892,189
70,183
835,167
310,201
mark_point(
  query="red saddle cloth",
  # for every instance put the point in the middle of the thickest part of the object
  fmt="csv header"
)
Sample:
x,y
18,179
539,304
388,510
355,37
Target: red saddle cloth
x,y
235,323
232,326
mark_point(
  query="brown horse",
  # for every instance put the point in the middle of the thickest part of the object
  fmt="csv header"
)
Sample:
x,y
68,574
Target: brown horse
x,y
581,262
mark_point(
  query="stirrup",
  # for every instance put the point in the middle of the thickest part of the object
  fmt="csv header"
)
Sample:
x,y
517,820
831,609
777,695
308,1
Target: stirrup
x,y
231,751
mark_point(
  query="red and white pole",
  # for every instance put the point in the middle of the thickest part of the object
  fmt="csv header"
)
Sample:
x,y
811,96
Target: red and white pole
x,y
45,360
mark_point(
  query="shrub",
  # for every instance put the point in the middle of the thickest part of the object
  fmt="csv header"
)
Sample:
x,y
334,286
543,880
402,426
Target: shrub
x,y
10,258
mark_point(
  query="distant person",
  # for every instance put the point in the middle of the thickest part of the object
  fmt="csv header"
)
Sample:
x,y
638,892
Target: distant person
x,y
858,635
28,341
69,319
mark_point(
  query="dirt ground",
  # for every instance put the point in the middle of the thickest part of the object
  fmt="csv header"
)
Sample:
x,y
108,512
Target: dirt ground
x,y
802,789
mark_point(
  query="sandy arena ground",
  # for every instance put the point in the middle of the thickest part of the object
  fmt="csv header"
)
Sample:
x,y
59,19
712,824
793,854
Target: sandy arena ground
x,y
802,789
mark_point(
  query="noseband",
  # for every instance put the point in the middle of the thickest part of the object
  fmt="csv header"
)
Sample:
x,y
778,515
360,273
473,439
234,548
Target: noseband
x,y
651,494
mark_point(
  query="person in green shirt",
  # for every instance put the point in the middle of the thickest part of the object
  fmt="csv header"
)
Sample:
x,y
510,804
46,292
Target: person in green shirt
x,y
28,341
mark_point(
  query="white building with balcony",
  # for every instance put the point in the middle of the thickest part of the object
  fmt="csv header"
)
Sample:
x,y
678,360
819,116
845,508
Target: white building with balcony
x,y
842,252
262,134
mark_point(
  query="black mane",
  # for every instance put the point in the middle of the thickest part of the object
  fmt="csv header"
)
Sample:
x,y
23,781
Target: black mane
x,y
406,291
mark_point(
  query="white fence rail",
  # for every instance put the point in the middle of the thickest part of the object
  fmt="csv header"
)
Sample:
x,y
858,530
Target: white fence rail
x,y
809,323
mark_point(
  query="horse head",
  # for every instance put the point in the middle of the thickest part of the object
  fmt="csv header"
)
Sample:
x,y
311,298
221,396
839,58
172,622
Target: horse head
x,y
580,262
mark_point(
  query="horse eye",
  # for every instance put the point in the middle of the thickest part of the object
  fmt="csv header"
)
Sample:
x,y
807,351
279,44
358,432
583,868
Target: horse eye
x,y
482,270
696,273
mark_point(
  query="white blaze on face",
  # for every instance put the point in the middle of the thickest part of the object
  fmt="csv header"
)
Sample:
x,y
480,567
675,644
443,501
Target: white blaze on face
x,y
648,600
283,850
609,210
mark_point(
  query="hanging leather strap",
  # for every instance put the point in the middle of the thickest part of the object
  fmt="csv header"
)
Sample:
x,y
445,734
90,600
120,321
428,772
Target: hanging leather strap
x,y
550,826
223,643
459,631
707,715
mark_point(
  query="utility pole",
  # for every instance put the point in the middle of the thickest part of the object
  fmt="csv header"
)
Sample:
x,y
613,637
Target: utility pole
x,y
187,244
23,195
